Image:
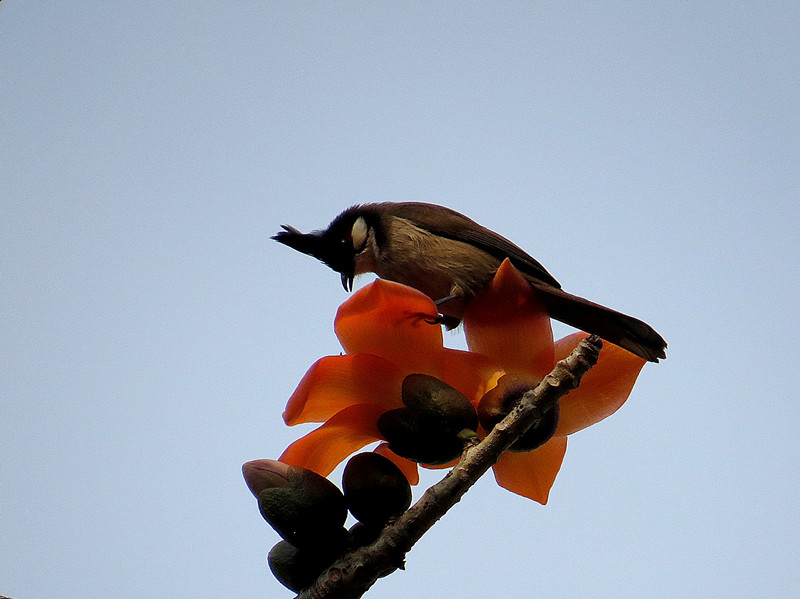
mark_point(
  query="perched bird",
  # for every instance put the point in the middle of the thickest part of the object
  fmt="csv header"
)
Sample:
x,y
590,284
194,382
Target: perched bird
x,y
450,258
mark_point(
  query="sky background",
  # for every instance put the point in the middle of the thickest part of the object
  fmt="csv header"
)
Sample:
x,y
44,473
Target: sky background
x,y
151,332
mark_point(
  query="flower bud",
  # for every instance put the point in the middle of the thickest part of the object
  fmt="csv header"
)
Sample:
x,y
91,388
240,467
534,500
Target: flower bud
x,y
432,427
375,490
303,507
297,569
498,402
265,474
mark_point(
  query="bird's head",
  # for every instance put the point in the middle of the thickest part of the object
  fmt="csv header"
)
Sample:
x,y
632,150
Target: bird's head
x,y
346,246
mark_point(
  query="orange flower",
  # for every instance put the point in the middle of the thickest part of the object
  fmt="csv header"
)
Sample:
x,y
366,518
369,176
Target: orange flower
x,y
386,333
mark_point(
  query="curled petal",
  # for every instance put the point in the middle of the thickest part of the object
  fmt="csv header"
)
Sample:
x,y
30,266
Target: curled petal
x,y
603,389
508,323
393,321
326,447
408,467
334,383
531,474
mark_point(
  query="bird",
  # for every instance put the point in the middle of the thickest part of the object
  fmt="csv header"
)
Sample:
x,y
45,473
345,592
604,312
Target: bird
x,y
450,258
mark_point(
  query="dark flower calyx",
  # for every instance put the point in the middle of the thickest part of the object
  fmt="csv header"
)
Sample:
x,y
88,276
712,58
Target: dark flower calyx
x,y
297,569
432,427
375,489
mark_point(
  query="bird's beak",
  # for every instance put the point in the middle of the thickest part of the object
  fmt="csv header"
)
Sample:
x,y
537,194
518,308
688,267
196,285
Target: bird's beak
x,y
347,281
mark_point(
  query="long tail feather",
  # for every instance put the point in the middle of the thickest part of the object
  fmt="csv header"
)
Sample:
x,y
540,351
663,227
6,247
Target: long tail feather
x,y
620,329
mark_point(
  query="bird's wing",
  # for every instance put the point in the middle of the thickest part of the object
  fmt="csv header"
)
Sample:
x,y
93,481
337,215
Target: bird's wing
x,y
454,225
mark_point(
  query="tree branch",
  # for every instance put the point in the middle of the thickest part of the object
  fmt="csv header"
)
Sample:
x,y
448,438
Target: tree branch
x,y
354,573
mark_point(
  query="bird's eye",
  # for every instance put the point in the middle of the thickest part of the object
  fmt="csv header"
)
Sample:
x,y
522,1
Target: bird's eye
x,y
358,234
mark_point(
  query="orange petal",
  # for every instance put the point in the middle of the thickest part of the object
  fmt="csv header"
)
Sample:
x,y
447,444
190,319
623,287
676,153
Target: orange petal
x,y
508,323
326,447
408,467
389,320
336,382
531,474
472,374
602,390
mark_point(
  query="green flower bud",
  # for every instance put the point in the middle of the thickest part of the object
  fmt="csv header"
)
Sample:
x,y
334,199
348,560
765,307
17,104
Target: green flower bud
x,y
303,507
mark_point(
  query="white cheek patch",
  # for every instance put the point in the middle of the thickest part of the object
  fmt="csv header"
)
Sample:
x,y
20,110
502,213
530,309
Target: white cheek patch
x,y
359,234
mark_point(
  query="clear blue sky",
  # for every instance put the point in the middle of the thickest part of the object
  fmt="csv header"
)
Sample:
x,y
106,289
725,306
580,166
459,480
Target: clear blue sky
x,y
646,153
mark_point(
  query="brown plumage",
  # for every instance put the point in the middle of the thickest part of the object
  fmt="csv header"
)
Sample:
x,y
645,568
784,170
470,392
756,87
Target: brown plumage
x,y
450,257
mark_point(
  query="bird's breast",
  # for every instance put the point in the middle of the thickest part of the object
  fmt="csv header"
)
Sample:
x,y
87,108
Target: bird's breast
x,y
436,265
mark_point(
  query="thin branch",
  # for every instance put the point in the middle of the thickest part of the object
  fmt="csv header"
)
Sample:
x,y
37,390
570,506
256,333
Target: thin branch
x,y
354,573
